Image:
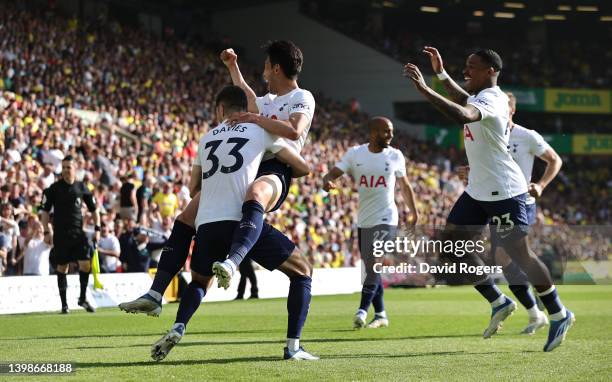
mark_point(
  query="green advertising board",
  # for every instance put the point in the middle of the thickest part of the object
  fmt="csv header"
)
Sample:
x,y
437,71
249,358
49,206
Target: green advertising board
x,y
580,144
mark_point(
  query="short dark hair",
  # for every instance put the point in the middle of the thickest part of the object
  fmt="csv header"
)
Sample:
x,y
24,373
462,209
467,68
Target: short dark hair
x,y
68,158
232,98
287,55
490,57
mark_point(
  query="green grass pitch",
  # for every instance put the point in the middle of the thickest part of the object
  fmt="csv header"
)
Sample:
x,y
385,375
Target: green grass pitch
x,y
435,334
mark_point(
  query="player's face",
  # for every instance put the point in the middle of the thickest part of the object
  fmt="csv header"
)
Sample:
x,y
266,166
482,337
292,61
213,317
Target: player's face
x,y
270,75
476,74
68,170
384,136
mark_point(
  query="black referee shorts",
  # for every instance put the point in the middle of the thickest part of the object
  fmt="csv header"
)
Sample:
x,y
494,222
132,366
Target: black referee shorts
x,y
68,247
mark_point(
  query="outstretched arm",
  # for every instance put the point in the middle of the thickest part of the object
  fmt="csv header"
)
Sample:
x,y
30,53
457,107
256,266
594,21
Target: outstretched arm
x,y
455,111
230,60
455,92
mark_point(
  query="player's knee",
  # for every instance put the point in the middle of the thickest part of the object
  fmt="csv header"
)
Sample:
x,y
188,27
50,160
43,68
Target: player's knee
x,y
62,268
501,258
518,249
296,265
85,266
261,190
302,265
204,281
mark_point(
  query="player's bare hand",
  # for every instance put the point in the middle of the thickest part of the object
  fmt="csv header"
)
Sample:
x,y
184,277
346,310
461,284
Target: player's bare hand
x,y
412,71
229,57
413,218
328,185
463,172
436,59
535,190
244,117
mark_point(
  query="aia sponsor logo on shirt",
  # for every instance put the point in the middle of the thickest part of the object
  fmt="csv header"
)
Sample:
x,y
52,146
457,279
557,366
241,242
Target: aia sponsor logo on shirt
x,y
467,134
372,181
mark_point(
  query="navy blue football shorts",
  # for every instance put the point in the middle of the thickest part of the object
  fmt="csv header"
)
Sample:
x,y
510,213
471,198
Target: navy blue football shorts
x,y
507,218
531,211
213,242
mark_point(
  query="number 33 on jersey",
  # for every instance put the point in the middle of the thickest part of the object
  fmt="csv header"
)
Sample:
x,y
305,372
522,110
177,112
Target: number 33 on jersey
x,y
229,157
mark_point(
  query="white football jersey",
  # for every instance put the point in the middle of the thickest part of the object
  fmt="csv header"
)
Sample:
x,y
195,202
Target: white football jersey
x,y
493,175
524,146
375,175
230,157
281,107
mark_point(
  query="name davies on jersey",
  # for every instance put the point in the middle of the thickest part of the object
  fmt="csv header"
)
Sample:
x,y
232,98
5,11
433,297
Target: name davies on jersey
x,y
238,128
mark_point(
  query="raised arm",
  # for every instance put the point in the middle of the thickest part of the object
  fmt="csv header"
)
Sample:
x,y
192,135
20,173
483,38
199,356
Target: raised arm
x,y
230,60
456,112
455,92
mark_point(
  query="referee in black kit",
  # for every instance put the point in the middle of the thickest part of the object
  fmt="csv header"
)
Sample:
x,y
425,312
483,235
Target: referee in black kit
x,y
70,244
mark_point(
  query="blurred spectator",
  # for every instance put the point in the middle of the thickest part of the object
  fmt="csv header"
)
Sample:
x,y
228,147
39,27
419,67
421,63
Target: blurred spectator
x,y
36,252
167,200
143,196
109,250
127,199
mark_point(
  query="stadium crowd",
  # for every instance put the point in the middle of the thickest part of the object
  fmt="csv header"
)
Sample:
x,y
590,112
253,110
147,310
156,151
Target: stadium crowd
x,y
131,109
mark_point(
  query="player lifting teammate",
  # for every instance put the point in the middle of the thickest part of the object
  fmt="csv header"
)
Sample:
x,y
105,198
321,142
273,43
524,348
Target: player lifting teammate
x,y
375,167
227,163
287,112
496,190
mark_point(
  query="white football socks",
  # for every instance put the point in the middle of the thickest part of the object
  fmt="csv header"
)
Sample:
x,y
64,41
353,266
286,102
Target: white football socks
x,y
156,295
533,312
500,300
293,344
